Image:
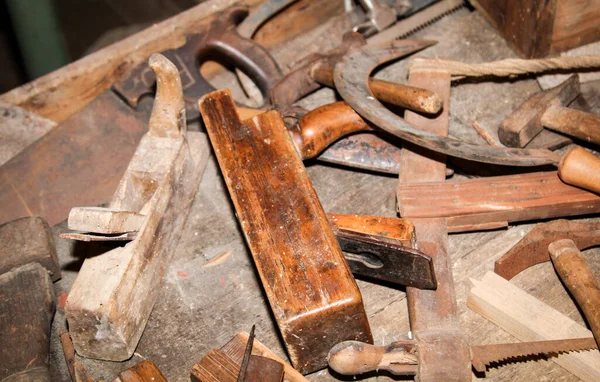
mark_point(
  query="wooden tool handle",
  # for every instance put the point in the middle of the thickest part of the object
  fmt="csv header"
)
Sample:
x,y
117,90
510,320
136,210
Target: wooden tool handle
x,y
580,168
575,273
574,123
409,97
323,126
353,357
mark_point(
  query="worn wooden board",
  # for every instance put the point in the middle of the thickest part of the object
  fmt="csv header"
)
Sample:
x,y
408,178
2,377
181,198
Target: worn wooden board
x,y
212,291
309,286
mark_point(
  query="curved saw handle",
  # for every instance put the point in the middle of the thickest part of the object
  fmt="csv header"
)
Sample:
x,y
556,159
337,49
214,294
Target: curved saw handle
x,y
578,167
354,357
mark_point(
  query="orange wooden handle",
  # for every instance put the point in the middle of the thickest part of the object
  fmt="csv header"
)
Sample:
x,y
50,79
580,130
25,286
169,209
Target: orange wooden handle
x,y
409,97
325,125
580,168
577,276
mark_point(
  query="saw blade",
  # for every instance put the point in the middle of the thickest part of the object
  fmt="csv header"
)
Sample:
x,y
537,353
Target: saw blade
x,y
417,21
484,355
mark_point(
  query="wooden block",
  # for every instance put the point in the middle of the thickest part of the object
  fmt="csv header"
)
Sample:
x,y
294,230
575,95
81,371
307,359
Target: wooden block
x,y
28,240
443,352
495,201
536,28
529,319
312,293
223,364
145,371
26,312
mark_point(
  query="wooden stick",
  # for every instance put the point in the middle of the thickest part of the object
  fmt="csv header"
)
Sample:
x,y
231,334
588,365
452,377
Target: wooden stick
x,y
577,276
529,319
443,352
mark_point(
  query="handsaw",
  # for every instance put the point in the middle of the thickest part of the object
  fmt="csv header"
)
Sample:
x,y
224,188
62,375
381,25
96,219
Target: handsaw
x,y
400,358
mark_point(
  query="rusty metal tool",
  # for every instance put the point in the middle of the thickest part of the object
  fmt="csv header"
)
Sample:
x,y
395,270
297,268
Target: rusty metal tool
x,y
549,109
533,248
247,353
400,358
258,368
365,150
579,280
577,167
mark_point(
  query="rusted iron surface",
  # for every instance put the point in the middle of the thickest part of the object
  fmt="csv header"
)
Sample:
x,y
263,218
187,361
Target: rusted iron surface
x,y
533,248
381,259
485,355
220,40
351,79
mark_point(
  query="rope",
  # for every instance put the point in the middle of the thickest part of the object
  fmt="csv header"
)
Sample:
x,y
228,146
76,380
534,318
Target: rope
x,y
505,68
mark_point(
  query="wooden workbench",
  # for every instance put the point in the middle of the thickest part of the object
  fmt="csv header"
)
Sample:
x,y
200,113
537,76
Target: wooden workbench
x,y
212,291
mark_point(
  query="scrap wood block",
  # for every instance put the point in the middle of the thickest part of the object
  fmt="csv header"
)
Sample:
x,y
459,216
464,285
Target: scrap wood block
x,y
493,202
310,288
529,319
536,28
114,293
145,371
220,365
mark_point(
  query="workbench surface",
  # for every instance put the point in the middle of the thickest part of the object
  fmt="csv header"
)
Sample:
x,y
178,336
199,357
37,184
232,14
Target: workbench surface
x,y
212,290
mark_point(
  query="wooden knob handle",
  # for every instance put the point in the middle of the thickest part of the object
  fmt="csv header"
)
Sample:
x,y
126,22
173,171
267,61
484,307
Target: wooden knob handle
x,y
580,168
353,357
577,276
409,97
323,126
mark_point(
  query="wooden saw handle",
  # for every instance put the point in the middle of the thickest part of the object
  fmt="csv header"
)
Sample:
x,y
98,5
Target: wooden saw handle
x,y
354,357
579,167
409,97
577,276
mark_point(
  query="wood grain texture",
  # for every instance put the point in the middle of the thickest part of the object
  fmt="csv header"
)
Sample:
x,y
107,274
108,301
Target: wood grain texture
x,y
312,293
26,312
228,358
28,240
443,352
580,168
61,93
579,280
529,319
496,200
114,293
145,371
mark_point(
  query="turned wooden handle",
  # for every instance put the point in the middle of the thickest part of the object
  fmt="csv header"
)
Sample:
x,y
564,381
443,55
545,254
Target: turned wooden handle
x,y
575,273
409,97
579,167
354,357
325,125
574,123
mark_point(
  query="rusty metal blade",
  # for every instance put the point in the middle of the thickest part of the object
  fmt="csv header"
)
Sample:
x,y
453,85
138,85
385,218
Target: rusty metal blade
x,y
365,151
533,248
351,80
483,355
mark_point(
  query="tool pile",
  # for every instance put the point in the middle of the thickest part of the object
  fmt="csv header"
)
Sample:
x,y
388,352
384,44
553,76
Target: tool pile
x,y
139,167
